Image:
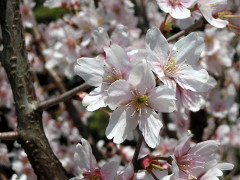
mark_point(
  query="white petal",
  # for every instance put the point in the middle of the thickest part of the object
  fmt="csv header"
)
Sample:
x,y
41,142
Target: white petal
x,y
142,78
95,99
101,38
180,12
120,35
157,43
183,146
188,49
119,93
91,70
116,57
162,99
84,157
207,13
188,3
120,124
189,99
109,170
225,166
193,79
76,178
164,5
150,125
160,174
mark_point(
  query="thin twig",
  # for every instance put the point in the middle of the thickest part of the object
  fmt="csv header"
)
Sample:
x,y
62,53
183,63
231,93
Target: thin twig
x,y
195,26
63,97
13,135
153,175
137,150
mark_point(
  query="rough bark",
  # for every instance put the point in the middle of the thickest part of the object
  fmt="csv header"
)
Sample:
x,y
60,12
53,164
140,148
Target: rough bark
x,y
30,129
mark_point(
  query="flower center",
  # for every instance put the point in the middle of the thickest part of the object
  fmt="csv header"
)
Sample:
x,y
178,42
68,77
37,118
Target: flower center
x,y
138,103
95,175
170,68
112,75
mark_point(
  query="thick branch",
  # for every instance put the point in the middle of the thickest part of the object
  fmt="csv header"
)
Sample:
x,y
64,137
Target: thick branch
x,y
30,129
71,109
9,135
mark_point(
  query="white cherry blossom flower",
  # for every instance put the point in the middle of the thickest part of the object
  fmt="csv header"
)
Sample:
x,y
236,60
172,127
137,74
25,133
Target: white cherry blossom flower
x,y
136,100
87,164
177,8
210,7
177,65
102,74
197,161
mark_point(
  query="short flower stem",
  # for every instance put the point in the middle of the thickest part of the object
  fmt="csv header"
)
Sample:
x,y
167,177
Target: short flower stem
x,y
232,16
157,167
63,97
168,159
105,111
137,150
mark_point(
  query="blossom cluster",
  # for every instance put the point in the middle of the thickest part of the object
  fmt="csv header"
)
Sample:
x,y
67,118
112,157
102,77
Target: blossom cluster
x,y
181,98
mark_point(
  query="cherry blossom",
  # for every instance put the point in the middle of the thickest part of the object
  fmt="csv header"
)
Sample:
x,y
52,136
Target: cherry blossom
x,y
194,162
136,105
209,8
177,8
177,65
87,165
102,74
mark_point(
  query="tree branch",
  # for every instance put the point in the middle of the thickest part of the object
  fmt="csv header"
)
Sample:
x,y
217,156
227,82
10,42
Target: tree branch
x,y
195,26
71,109
30,129
137,150
9,135
63,97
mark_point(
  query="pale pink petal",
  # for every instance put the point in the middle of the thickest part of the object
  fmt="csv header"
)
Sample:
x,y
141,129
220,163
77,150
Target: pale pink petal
x,y
216,5
150,125
101,38
180,12
164,5
183,147
120,35
160,174
109,170
126,173
120,124
157,43
188,3
84,157
76,178
225,166
162,99
95,99
206,147
116,57
142,78
119,93
207,13
193,79
189,99
188,49
91,70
